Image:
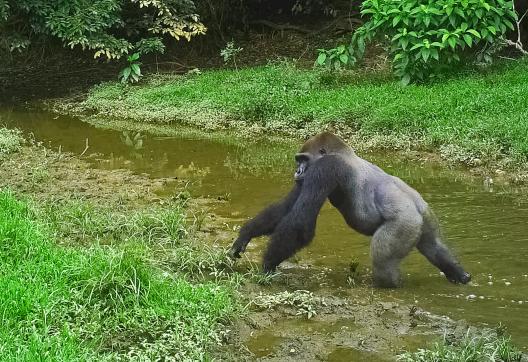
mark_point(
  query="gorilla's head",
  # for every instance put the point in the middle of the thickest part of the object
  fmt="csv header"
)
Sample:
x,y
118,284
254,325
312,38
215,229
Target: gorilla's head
x,y
318,146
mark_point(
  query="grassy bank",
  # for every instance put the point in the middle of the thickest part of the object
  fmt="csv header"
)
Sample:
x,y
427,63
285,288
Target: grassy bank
x,y
474,118
103,301
481,346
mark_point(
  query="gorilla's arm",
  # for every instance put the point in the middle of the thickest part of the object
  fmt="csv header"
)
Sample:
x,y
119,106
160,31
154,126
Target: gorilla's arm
x,y
297,228
265,222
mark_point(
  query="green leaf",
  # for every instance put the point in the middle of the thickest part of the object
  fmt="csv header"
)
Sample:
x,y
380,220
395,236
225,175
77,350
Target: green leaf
x,y
343,58
396,20
427,21
125,74
406,79
509,24
474,32
468,39
452,42
135,68
492,29
425,54
361,45
134,57
321,59
434,53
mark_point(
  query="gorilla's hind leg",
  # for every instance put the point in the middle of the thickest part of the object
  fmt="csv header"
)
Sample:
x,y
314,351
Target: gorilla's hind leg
x,y
390,244
432,247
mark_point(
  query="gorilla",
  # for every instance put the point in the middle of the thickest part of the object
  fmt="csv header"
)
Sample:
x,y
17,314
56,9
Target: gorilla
x,y
371,201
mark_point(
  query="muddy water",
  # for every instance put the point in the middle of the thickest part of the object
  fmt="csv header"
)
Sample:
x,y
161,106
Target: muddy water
x,y
486,227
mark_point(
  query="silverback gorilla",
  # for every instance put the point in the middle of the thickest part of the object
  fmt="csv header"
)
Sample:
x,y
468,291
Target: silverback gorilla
x,y
371,202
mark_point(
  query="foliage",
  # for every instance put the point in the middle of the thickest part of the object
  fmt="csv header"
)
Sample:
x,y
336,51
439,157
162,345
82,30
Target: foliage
x,y
334,58
101,302
302,300
484,115
110,28
132,72
488,346
230,52
10,141
427,37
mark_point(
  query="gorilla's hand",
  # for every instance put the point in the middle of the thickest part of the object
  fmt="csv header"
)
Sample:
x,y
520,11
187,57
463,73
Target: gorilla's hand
x,y
461,277
239,246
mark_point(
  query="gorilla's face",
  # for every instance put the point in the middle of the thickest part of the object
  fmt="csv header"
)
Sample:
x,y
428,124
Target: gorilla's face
x,y
304,161
316,147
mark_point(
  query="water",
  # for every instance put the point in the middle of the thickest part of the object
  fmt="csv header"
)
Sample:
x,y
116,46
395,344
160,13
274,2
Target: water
x,y
486,227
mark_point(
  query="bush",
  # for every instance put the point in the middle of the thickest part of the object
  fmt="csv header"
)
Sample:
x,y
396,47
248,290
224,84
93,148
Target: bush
x,y
427,36
111,28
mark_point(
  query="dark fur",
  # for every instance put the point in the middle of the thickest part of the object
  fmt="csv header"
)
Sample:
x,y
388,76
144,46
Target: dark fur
x,y
371,202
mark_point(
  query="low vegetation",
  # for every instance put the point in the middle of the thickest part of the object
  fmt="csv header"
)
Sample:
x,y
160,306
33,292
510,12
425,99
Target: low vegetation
x,y
105,301
10,141
473,118
488,346
303,301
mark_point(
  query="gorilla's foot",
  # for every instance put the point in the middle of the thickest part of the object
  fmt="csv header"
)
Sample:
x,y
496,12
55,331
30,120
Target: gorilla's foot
x,y
387,278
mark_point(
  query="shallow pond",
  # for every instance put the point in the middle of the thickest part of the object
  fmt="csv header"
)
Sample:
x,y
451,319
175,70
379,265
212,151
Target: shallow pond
x,y
486,227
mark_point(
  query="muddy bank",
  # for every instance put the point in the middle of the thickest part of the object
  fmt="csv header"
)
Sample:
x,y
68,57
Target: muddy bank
x,y
294,324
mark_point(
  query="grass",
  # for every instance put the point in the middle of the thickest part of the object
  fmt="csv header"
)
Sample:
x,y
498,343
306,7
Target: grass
x,y
10,141
59,303
473,118
487,346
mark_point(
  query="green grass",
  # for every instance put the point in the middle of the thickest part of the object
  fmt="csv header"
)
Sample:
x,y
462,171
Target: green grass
x,y
487,346
60,303
10,141
472,116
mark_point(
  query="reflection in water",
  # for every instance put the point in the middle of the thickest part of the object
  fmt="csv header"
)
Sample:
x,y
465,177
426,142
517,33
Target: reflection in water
x,y
484,223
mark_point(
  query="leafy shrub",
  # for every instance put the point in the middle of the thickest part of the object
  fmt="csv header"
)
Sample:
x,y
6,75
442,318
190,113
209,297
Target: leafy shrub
x,y
427,36
333,58
111,28
230,53
132,72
